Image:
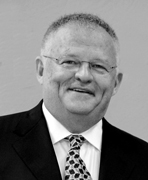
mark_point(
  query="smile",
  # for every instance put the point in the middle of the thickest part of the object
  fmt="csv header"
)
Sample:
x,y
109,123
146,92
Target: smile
x,y
82,90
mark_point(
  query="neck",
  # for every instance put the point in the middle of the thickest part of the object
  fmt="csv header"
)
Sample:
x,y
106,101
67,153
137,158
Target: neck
x,y
73,122
79,124
76,123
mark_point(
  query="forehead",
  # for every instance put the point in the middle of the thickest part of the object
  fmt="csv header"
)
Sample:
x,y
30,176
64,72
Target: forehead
x,y
78,38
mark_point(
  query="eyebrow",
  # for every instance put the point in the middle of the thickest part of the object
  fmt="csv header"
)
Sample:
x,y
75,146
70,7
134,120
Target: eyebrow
x,y
94,60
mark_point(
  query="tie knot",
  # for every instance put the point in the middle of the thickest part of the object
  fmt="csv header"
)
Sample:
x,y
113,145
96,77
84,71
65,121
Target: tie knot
x,y
76,141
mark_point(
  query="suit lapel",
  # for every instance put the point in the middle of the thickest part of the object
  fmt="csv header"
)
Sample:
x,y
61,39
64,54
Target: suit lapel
x,y
115,162
35,147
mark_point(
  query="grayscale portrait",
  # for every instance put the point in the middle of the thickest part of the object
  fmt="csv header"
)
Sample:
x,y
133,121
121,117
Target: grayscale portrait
x,y
73,91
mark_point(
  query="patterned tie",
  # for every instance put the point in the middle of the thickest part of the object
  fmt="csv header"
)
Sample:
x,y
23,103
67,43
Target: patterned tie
x,y
75,167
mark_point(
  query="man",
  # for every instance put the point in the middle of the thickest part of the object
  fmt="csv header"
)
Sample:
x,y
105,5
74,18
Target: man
x,y
66,135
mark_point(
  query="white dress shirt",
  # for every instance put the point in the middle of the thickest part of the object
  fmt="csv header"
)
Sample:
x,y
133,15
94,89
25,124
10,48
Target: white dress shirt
x,y
90,151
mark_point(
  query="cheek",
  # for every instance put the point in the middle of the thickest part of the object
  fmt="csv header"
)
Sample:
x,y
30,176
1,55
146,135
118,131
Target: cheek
x,y
57,77
61,78
105,85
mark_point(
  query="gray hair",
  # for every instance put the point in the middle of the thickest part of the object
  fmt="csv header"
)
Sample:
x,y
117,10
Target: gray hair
x,y
85,20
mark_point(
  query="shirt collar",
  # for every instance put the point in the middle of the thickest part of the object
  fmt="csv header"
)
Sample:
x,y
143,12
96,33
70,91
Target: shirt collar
x,y
94,135
58,132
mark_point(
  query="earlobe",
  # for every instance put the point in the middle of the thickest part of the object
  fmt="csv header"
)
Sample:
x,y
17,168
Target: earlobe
x,y
118,81
39,69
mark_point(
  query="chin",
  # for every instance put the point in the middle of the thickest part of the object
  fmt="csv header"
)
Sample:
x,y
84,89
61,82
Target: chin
x,y
79,112
80,109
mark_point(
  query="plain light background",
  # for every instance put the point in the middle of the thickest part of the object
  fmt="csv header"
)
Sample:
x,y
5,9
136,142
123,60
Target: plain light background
x,y
22,26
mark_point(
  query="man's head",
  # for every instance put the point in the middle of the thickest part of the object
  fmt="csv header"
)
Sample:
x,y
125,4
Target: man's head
x,y
77,69
85,20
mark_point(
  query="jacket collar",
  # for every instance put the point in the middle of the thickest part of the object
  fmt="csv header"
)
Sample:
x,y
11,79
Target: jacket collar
x,y
116,162
34,145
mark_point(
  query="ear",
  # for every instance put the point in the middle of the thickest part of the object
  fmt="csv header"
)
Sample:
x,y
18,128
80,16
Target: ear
x,y
39,69
118,80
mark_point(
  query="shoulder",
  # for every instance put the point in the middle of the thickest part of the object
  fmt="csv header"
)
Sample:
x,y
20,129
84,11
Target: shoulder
x,y
22,120
120,135
129,140
126,143
9,122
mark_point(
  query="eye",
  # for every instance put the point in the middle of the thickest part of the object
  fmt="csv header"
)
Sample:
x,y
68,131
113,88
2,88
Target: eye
x,y
98,66
69,62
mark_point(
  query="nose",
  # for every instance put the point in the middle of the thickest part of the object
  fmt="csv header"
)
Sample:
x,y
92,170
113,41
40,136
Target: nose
x,y
84,74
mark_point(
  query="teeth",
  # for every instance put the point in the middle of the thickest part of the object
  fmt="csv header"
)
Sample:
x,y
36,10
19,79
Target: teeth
x,y
81,90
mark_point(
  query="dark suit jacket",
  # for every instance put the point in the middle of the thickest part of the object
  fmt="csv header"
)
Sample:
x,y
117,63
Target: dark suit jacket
x,y
26,151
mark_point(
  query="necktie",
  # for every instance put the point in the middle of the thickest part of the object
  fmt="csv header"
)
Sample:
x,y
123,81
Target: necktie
x,y
75,168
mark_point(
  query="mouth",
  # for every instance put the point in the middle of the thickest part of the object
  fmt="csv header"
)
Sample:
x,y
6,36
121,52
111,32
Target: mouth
x,y
82,90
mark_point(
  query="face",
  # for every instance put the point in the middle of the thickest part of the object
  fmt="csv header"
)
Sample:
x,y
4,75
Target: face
x,y
80,91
